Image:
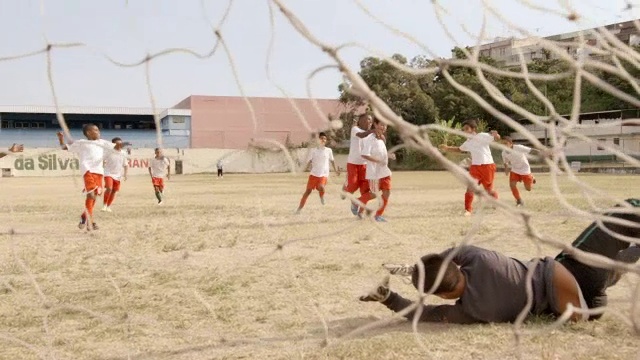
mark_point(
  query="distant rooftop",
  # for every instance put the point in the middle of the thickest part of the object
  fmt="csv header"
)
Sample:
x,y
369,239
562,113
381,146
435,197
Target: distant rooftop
x,y
106,110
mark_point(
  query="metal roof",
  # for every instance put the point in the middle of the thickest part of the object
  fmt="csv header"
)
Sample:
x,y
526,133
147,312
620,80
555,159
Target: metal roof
x,y
94,110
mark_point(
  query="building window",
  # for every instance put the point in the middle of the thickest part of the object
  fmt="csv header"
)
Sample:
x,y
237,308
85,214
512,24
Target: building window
x,y
601,141
616,141
5,124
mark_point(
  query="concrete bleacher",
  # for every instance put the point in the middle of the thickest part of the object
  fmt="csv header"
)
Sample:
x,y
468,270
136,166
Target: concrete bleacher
x,y
42,138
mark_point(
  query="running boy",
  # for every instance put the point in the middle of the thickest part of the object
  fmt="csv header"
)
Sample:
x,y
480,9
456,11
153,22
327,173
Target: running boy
x,y
356,168
482,166
91,154
159,166
374,151
318,159
115,169
516,166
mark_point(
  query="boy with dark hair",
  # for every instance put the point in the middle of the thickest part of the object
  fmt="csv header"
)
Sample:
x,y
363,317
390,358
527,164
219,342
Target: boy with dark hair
x,y
482,166
356,168
374,151
318,161
115,168
491,287
91,154
159,166
516,166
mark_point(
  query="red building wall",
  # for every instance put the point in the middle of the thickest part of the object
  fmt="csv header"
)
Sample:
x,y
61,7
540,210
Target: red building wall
x,y
225,122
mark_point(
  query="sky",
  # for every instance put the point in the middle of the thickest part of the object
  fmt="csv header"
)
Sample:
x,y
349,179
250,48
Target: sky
x,y
126,30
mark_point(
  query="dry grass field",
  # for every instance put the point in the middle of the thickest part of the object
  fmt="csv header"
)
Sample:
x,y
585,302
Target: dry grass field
x,y
225,270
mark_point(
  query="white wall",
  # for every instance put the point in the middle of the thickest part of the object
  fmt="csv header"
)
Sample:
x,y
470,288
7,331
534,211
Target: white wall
x,y
55,162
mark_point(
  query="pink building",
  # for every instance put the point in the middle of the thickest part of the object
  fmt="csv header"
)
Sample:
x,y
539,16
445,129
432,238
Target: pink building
x,y
227,122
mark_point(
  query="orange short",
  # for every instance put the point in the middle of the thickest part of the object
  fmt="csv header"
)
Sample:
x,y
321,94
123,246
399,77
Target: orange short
x,y
526,179
158,182
111,183
380,184
356,178
316,182
92,183
484,174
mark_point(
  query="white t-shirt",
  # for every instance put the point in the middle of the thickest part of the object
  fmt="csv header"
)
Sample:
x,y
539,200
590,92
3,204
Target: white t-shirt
x,y
219,164
90,154
517,159
478,146
114,163
355,147
320,158
159,167
376,148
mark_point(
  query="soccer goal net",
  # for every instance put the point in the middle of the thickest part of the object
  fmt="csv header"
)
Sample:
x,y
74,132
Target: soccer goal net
x,y
226,269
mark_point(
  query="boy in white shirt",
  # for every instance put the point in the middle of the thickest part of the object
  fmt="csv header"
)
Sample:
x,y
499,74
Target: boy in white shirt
x,y
219,165
356,169
482,166
318,159
516,166
159,166
91,154
115,169
374,151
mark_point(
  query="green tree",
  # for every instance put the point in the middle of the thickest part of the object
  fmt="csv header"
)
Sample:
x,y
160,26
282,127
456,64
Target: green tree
x,y
400,90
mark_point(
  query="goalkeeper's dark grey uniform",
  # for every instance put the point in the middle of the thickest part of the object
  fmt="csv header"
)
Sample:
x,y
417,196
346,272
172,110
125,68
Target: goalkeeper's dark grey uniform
x,y
494,292
495,289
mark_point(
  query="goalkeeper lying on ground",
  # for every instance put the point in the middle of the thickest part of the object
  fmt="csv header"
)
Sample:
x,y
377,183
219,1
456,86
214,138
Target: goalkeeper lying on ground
x,y
490,287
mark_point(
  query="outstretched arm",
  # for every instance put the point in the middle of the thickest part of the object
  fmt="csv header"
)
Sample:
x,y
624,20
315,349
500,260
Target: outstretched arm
x,y
429,313
372,159
364,134
60,135
450,148
14,149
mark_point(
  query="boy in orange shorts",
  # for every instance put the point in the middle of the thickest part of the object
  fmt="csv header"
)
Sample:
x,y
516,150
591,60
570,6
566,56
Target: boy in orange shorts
x,y
115,168
516,166
318,159
482,166
356,168
91,154
157,167
374,151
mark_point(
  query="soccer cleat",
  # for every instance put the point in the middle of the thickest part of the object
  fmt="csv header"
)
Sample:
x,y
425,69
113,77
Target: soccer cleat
x,y
104,208
354,209
379,293
108,209
630,255
399,269
467,213
380,219
519,203
83,222
94,226
322,200
534,180
160,202
298,211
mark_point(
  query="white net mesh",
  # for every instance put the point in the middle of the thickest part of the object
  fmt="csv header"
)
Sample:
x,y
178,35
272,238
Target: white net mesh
x,y
226,270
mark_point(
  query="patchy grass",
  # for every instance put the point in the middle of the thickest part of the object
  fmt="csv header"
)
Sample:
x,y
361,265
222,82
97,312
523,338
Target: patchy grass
x,y
204,277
